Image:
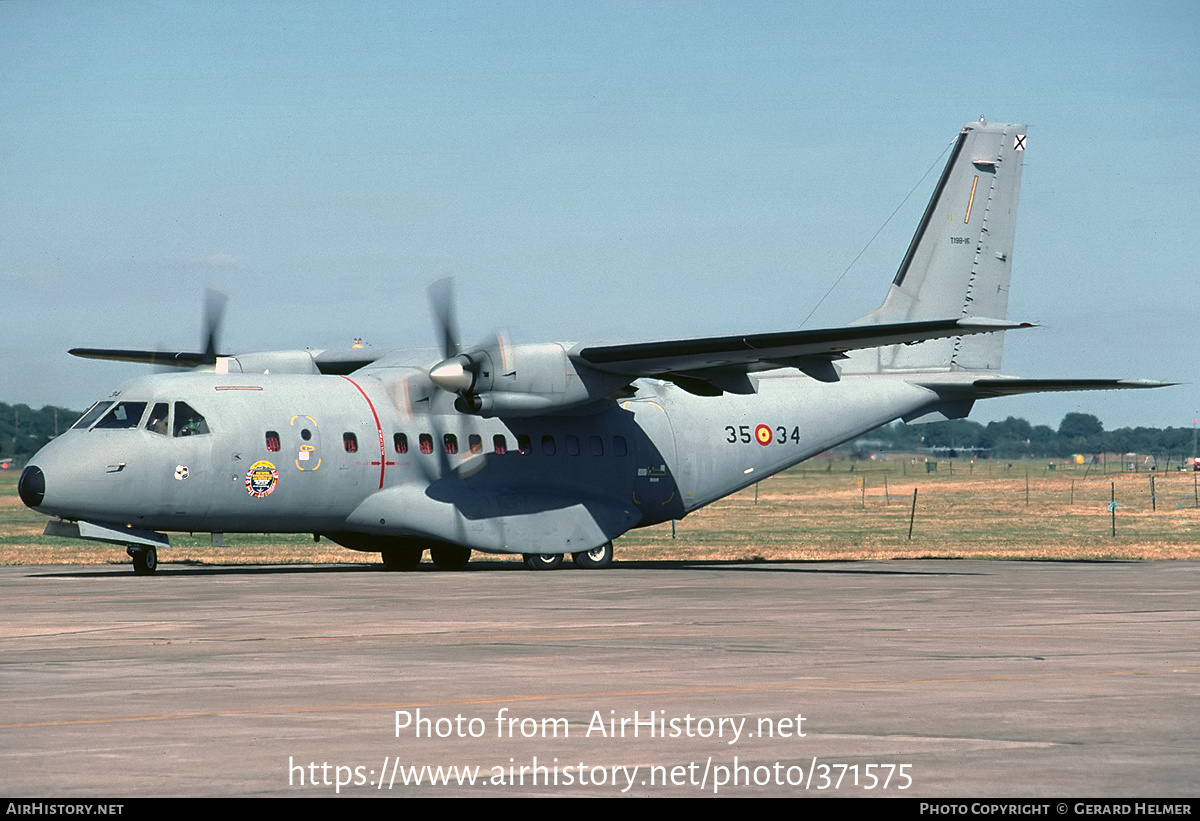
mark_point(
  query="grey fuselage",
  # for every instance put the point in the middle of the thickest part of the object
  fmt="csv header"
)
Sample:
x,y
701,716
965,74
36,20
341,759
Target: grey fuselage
x,y
322,454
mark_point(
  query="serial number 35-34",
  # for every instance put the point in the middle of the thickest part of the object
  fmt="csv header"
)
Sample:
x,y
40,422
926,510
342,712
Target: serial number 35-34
x,y
762,434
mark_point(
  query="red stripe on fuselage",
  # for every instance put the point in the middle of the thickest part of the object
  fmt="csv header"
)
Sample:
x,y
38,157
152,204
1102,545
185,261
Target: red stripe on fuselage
x,y
378,428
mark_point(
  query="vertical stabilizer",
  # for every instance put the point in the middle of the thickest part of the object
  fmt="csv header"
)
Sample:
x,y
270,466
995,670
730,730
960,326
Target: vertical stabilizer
x,y
960,259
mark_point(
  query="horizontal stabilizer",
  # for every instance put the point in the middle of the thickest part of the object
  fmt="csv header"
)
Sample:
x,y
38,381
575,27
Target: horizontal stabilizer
x,y
992,386
999,386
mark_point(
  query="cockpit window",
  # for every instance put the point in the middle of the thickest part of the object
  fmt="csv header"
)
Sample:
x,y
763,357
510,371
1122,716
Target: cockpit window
x,y
124,415
188,422
94,413
157,423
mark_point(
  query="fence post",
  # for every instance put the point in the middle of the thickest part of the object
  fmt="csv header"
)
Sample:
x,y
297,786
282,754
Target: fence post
x,y
912,515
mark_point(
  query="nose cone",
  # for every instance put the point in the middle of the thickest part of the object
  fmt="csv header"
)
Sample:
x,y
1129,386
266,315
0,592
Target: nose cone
x,y
32,486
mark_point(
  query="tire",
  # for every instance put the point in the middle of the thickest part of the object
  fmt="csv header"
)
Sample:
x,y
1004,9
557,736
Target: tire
x,y
596,558
145,560
543,561
401,558
450,557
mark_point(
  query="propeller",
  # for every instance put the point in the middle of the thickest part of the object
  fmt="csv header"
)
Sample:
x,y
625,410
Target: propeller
x,y
214,312
458,372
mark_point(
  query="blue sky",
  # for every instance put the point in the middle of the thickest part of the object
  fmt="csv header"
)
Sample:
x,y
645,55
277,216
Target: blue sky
x,y
602,172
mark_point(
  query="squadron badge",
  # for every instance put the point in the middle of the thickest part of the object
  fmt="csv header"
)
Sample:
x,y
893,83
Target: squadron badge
x,y
261,479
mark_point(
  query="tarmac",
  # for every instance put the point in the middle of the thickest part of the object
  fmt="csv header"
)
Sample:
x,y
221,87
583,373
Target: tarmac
x,y
900,678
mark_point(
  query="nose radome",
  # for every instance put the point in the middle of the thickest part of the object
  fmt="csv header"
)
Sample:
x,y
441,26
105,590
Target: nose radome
x,y
32,486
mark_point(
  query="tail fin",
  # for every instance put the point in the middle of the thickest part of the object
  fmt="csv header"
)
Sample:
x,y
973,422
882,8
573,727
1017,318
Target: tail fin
x,y
959,261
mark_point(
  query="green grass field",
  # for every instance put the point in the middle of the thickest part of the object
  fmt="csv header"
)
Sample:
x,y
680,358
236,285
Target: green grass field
x,y
818,511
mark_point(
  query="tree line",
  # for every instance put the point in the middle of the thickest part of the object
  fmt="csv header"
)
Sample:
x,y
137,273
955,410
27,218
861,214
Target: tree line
x,y
24,430
1016,438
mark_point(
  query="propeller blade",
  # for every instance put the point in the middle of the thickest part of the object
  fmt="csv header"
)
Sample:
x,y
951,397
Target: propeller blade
x,y
441,302
214,310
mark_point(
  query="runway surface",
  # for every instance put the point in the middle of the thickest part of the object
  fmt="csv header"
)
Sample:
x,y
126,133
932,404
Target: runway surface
x,y
946,678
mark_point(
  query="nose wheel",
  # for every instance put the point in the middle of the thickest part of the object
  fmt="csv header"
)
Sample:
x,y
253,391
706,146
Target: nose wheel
x,y
145,559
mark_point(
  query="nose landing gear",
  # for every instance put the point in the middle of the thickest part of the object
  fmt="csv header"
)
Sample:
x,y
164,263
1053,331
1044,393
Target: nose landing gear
x,y
145,559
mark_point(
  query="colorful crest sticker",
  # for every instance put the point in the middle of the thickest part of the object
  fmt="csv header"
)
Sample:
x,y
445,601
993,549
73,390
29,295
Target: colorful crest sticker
x,y
762,434
261,479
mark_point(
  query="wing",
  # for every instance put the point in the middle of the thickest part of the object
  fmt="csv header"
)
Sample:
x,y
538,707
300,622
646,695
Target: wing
x,y
722,363
336,362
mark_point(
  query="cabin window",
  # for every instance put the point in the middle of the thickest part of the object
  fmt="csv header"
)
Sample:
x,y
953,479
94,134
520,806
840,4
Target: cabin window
x,y
619,446
273,441
124,415
350,442
95,412
401,442
450,443
548,445
426,443
596,444
523,445
499,444
188,422
157,423
475,443
572,445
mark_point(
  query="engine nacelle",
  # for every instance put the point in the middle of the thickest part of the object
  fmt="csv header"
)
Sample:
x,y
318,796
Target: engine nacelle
x,y
522,380
269,362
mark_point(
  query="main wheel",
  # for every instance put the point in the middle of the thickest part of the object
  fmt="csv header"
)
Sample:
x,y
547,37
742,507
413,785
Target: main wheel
x,y
450,557
596,558
401,558
145,560
543,561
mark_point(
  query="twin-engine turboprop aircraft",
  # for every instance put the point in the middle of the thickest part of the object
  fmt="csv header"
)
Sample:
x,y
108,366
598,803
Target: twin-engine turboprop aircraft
x,y
540,449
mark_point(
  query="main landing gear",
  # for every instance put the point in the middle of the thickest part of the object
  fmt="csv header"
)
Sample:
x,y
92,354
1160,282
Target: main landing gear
x,y
145,559
450,557
401,558
594,559
543,561
445,556
453,557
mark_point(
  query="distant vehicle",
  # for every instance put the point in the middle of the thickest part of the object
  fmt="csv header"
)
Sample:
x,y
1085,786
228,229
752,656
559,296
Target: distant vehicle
x,y
540,449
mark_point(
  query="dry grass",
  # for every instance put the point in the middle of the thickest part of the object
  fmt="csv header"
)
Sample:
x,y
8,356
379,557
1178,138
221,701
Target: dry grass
x,y
805,514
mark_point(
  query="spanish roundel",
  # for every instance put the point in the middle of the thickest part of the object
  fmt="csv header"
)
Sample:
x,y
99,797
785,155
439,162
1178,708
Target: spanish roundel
x,y
762,434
